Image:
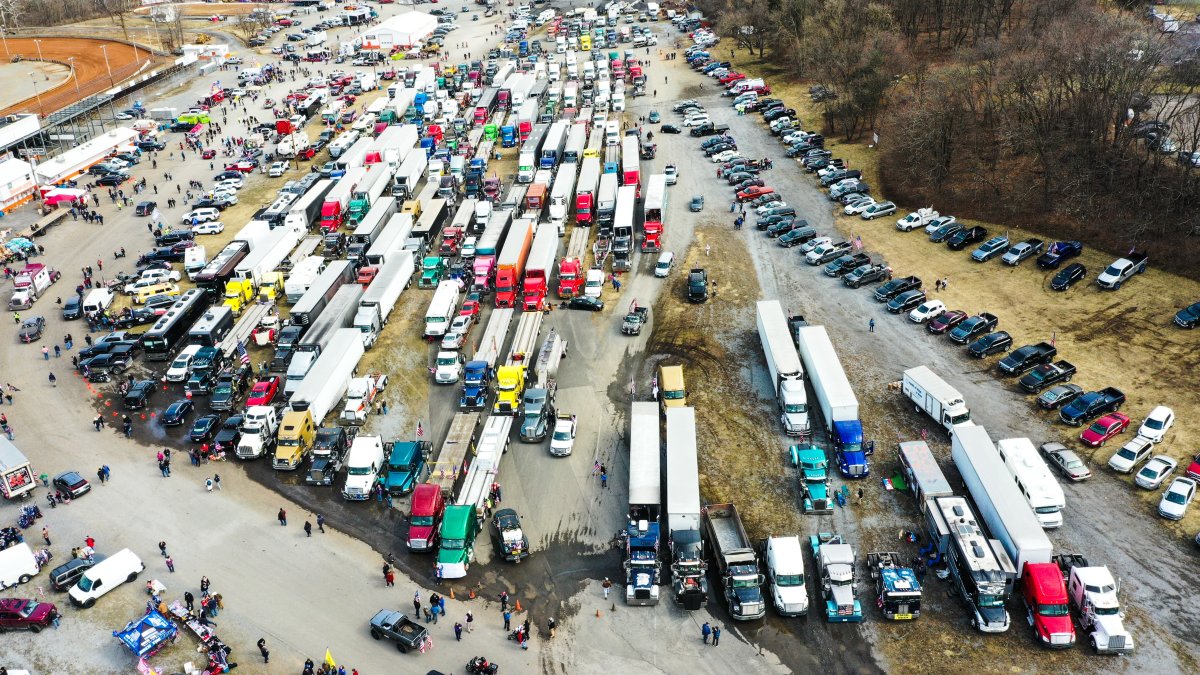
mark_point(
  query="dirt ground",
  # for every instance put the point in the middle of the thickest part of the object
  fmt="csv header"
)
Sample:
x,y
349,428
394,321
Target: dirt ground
x,y
89,64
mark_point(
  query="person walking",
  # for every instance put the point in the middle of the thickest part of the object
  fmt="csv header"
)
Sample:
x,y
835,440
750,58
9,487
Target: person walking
x,y
470,622
217,480
45,352
389,578
282,517
307,529
162,548
170,564
871,326
716,635
606,586
507,620
604,479
503,601
204,584
458,631
46,535
321,523
705,631
262,648
551,626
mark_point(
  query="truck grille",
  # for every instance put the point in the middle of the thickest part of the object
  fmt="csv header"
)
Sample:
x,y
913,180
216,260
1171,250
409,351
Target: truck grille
x,y
1061,638
1116,642
857,470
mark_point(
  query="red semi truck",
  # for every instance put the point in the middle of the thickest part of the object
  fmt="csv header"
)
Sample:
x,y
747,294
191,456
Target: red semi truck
x,y
537,272
511,265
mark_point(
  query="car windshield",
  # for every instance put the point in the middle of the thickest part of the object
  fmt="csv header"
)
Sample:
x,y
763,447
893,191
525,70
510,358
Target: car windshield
x,y
563,435
1098,428
1152,423
85,583
1126,453
1176,497
1073,463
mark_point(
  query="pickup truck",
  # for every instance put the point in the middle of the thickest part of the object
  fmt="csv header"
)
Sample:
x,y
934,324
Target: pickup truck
x,y
1027,357
1090,405
1058,252
634,321
865,274
846,264
1022,250
1047,374
827,252
973,327
1122,270
697,285
395,626
798,235
897,286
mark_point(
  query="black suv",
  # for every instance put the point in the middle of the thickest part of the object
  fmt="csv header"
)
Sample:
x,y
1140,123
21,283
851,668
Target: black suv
x,y
965,237
139,394
697,285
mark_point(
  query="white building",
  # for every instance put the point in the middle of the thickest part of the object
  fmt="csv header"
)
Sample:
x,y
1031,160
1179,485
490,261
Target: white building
x,y
16,182
76,160
402,31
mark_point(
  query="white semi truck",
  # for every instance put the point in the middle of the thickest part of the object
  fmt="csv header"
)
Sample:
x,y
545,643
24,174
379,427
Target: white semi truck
x,y
783,363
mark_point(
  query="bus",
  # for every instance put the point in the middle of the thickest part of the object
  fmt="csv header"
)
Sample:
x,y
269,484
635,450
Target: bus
x,y
595,143
429,225
170,330
576,142
655,211
212,327
980,569
220,269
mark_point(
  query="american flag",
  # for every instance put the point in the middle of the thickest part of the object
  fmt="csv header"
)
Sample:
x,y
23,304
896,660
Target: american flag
x,y
420,430
242,353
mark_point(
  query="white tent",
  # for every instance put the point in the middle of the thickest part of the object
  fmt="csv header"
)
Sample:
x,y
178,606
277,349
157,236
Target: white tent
x,y
403,31
16,182
78,159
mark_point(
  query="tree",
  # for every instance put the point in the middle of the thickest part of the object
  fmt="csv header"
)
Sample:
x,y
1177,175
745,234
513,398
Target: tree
x,y
118,11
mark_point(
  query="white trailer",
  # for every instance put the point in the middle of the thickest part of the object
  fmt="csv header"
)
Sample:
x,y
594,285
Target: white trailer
x,y
404,183
441,309
493,442
391,240
1000,504
562,196
305,211
395,144
645,451
326,382
302,276
491,343
381,296
355,156
266,257
783,363
683,471
839,406
934,397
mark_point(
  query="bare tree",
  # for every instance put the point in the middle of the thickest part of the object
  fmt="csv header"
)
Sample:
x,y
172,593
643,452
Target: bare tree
x,y
118,11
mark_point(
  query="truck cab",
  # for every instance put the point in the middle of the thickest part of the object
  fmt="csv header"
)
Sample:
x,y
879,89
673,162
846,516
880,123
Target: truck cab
x,y
510,385
476,379
257,431
432,270
814,478
536,410
835,560
296,433
785,574
1093,591
328,454
850,450
364,462
460,525
405,464
425,518
1046,605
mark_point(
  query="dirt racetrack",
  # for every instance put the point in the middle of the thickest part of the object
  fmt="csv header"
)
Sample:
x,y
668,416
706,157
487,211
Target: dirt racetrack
x,y
90,71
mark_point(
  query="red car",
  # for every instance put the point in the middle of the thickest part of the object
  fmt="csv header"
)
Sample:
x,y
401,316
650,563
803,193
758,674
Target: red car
x,y
945,321
208,154
264,391
25,614
1194,469
753,192
729,78
470,306
1104,428
245,166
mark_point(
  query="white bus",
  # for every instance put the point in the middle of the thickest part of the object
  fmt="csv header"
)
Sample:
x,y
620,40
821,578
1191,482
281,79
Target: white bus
x,y
1033,478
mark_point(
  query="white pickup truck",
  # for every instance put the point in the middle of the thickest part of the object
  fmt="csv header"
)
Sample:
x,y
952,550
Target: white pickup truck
x,y
1122,270
360,398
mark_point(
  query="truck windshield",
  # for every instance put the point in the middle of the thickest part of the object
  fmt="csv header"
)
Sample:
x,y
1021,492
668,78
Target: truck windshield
x,y
789,580
420,521
447,361
454,544
85,583
796,408
359,470
959,419
1102,611
991,601
400,467
289,441
1047,509
745,582
1054,610
674,394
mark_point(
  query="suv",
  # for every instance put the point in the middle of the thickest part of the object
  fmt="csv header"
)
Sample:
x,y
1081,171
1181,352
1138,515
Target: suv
x,y
697,285
138,395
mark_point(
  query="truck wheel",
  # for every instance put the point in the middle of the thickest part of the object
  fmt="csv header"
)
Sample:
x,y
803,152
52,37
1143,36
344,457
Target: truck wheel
x,y
132,576
23,579
402,648
87,604
376,634
1117,286
1095,647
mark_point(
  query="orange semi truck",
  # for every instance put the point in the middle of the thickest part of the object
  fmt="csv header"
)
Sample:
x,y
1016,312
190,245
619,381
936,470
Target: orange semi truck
x,y
511,266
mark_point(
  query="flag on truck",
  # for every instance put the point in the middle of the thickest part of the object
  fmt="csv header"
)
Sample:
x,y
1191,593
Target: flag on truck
x,y
420,430
242,353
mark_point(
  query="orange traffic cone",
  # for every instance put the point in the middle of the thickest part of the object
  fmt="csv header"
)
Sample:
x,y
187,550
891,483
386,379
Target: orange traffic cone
x,y
452,593
518,606
597,614
472,594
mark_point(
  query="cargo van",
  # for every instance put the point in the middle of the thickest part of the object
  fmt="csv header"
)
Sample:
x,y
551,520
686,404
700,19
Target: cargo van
x,y
460,524
425,518
121,567
666,260
17,565
98,300
672,390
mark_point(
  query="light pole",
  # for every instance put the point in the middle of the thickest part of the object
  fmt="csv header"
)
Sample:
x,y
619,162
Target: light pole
x,y
104,50
33,78
74,73
38,44
136,60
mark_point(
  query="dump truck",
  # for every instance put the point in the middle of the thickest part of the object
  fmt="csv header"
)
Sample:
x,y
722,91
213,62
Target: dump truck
x,y
737,563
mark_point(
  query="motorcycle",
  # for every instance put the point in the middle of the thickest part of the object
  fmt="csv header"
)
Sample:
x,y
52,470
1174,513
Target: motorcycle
x,y
119,254
480,666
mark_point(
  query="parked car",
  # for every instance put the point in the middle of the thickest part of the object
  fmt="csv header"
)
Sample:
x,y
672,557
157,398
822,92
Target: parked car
x,y
1091,405
906,301
1157,423
177,413
1188,317
897,286
1022,250
1132,454
973,327
944,231
966,237
586,302
878,209
1177,498
1066,462
1157,470
1058,252
992,343
1104,428
201,215
990,249
1068,276
1059,395
926,311
204,428
31,329
945,321
72,483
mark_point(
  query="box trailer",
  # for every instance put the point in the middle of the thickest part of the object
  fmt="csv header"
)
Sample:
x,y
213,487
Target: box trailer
x,y
302,276
934,397
783,365
318,295
329,377
380,297
839,406
306,211
391,240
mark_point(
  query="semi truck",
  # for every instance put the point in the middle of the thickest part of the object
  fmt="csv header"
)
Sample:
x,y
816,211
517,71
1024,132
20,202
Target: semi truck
x,y
317,297
560,196
510,378
370,228
321,389
441,310
934,397
408,175
1095,594
783,364
511,263
839,582
897,590
643,571
337,202
377,179
839,406
391,241
737,563
266,256
306,210
571,273
785,575
1001,505
538,268
361,394
689,580
381,296
488,248
813,470
259,424
585,191
395,144
30,283
364,463
477,373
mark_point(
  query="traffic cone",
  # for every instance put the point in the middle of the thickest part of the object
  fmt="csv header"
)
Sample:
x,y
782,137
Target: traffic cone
x,y
472,594
452,593
597,614
518,606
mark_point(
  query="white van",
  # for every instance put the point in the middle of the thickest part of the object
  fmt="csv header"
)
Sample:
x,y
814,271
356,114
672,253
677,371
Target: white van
x,y
666,260
98,300
194,260
594,284
178,371
118,568
17,565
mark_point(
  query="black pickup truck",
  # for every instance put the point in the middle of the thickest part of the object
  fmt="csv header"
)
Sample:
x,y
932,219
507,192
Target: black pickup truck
x,y
846,264
897,286
1029,356
1047,374
1058,252
1092,404
865,274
